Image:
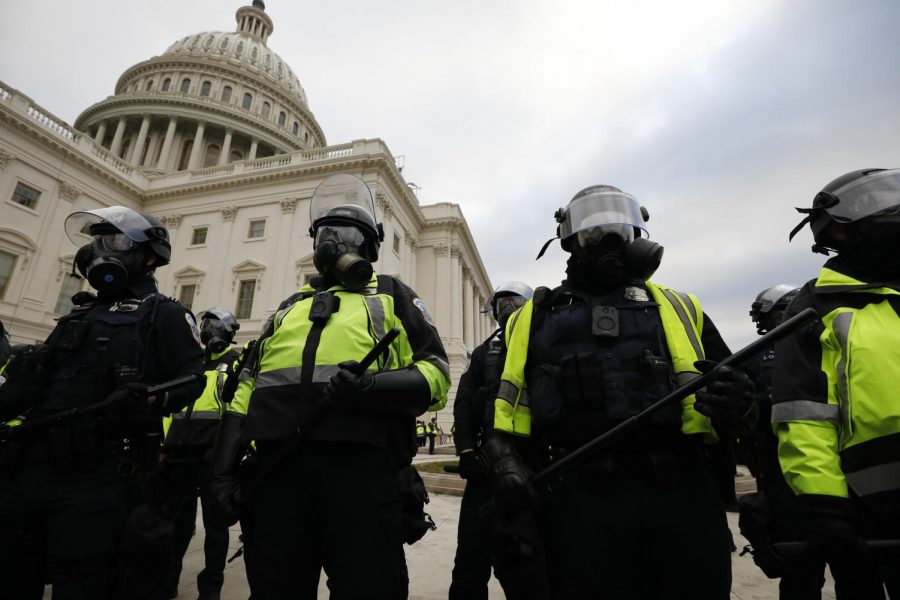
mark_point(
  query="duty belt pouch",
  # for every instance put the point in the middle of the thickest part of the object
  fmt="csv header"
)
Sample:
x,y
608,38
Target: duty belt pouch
x,y
84,443
59,449
415,522
582,380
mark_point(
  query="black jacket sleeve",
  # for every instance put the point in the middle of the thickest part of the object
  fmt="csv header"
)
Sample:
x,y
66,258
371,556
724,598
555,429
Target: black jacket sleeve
x,y
466,415
175,352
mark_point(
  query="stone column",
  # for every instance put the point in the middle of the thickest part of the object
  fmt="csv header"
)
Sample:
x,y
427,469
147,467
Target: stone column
x,y
138,147
101,132
254,144
196,149
116,145
469,314
167,144
443,295
456,331
226,147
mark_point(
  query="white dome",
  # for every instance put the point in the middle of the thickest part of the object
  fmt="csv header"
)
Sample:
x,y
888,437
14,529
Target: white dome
x,y
246,49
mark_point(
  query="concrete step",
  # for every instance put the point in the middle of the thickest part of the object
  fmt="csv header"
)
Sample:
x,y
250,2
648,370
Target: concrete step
x,y
437,483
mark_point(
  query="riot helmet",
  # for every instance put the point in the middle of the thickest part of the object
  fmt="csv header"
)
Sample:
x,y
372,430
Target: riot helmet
x,y
507,299
217,329
603,227
767,311
865,203
346,235
122,239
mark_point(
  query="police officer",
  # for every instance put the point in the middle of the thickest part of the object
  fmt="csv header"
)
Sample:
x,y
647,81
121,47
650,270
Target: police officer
x,y
431,429
801,577
63,510
474,395
334,501
835,416
420,433
644,518
190,435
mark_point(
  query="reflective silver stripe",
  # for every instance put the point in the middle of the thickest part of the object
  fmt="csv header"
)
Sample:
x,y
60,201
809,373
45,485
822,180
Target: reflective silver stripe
x,y
291,376
841,325
685,322
442,365
872,480
198,414
685,377
512,323
690,305
376,311
508,392
220,384
805,410
245,375
524,398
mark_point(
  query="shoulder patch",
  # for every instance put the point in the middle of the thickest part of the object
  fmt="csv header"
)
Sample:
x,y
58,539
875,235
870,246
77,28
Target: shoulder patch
x,y
424,310
194,329
2,380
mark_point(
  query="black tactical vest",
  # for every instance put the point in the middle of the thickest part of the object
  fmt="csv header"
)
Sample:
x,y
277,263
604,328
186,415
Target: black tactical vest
x,y
594,361
96,348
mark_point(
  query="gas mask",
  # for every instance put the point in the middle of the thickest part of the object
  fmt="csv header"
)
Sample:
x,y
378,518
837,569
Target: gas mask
x,y
214,334
873,247
613,255
504,308
109,262
337,253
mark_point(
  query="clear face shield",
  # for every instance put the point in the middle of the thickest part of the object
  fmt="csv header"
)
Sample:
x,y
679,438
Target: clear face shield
x,y
342,191
127,222
873,195
346,237
592,217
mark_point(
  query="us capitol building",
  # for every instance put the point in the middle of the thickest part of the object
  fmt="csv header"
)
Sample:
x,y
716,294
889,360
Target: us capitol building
x,y
216,138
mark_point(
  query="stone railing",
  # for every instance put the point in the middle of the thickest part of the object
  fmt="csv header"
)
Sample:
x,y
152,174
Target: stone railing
x,y
301,157
67,135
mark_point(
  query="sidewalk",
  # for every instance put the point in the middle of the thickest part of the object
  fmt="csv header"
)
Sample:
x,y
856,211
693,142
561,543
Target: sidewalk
x,y
431,562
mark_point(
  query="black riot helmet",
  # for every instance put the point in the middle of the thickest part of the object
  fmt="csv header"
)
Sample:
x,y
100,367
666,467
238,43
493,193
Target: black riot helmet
x,y
122,239
608,223
346,235
506,299
855,200
217,329
767,311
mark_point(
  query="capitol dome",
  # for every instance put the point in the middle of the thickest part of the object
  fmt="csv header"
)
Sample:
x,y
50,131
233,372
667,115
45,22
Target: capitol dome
x,y
210,99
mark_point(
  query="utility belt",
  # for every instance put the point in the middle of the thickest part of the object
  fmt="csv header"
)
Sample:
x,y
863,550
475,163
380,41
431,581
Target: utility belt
x,y
81,446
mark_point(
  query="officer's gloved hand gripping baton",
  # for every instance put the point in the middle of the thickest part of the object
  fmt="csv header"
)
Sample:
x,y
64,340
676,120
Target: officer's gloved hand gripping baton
x,y
36,425
263,474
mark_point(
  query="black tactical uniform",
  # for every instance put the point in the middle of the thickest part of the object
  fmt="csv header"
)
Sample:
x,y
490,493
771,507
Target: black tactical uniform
x,y
68,491
644,518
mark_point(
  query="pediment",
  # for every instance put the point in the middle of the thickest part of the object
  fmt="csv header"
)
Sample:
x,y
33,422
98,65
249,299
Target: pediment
x,y
248,266
189,272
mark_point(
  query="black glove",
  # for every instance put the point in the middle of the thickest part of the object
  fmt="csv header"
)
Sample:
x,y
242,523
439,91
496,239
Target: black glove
x,y
829,528
129,399
348,387
403,392
471,465
728,397
225,488
510,476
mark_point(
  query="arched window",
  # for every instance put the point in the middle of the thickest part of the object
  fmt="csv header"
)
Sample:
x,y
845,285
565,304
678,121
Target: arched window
x,y
281,118
247,101
226,93
205,88
167,83
149,85
185,155
212,155
296,128
185,85
236,155
266,107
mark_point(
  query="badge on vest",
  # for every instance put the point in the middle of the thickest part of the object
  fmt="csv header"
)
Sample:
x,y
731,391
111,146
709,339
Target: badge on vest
x,y
636,294
125,306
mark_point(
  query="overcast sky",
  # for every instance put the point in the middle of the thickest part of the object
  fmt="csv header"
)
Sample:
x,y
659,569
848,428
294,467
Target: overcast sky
x,y
719,116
